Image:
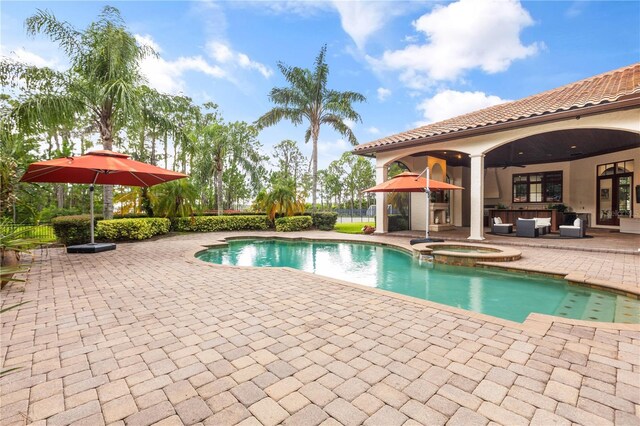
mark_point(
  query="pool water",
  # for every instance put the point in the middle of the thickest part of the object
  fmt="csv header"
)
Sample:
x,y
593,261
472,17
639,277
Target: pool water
x,y
505,295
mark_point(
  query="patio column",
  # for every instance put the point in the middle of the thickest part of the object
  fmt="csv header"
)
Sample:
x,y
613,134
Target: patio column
x,y
381,202
477,198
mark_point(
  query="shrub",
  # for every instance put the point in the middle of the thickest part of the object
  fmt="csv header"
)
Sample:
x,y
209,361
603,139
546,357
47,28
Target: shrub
x,y
398,223
72,230
293,223
132,229
220,223
325,221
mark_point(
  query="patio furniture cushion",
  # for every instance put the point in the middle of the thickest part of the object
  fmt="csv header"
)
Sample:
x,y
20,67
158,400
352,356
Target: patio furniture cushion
x,y
543,224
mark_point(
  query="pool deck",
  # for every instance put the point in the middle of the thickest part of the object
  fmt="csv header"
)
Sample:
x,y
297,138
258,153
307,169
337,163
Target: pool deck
x,y
147,334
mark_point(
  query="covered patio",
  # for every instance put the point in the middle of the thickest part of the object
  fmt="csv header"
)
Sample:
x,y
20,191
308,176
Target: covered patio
x,y
577,146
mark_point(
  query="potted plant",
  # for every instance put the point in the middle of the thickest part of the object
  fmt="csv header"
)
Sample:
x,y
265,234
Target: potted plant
x,y
12,244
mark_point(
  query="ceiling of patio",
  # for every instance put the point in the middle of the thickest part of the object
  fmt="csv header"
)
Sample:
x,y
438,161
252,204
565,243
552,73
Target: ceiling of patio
x,y
562,145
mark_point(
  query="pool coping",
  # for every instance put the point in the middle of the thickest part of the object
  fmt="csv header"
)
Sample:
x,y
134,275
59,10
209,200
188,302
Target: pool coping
x,y
536,323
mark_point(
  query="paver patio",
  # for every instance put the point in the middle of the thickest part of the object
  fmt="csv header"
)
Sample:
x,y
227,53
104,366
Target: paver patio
x,y
148,334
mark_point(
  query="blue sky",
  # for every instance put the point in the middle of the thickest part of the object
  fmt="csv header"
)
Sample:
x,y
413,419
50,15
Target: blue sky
x,y
416,62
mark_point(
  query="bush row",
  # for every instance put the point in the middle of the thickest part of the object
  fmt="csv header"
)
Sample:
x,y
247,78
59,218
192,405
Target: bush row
x,y
324,221
293,223
72,230
131,229
220,223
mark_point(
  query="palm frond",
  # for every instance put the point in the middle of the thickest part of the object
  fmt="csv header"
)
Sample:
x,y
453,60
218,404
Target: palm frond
x,y
338,125
67,37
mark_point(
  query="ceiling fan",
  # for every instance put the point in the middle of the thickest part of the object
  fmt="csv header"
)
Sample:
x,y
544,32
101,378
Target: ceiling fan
x,y
509,163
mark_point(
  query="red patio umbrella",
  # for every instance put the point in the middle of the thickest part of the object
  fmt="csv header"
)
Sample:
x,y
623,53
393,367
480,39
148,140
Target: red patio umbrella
x,y
99,167
413,182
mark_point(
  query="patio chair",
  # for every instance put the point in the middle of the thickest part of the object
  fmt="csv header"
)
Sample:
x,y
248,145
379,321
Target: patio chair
x,y
497,227
527,228
577,230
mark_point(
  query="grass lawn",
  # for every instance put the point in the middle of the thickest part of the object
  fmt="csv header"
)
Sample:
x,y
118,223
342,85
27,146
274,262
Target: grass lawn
x,y
351,228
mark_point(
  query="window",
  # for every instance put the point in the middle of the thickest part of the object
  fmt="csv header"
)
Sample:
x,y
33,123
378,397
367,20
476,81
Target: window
x,y
543,187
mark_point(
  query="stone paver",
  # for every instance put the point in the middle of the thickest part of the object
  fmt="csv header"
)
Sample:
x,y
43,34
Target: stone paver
x,y
146,334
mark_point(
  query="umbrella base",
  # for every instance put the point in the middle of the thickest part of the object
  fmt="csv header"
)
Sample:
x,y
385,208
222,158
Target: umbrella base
x,y
426,240
91,248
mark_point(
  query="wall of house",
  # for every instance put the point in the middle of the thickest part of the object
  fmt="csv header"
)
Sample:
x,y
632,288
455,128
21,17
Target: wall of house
x,y
579,182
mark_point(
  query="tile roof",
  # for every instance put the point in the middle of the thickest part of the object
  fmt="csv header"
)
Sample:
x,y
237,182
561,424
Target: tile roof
x,y
600,89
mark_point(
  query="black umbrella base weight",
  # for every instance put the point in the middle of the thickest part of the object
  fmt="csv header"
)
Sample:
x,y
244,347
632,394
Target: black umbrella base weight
x,y
426,240
91,248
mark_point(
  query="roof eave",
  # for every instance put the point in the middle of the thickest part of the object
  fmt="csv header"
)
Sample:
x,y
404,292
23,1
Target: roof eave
x,y
622,103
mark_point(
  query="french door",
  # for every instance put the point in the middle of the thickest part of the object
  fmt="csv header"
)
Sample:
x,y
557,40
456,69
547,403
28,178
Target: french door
x,y
614,195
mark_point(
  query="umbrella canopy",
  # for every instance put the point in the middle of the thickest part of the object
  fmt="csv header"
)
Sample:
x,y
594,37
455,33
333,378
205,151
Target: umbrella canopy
x,y
99,167
411,182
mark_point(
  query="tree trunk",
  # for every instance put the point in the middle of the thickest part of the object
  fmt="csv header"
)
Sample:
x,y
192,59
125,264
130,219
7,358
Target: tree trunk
x,y
153,150
166,152
106,134
60,195
219,186
314,161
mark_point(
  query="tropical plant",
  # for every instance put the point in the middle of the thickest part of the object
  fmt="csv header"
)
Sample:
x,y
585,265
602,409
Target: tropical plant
x,y
102,83
175,199
13,242
281,199
308,98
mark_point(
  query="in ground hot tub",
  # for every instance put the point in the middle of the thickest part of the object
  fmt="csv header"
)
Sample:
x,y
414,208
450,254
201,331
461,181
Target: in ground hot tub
x,y
466,254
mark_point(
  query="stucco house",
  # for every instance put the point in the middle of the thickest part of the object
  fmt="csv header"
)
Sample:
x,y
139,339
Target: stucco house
x,y
577,145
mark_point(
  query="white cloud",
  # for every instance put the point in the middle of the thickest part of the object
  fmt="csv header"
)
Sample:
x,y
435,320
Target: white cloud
x,y
383,94
373,130
223,54
30,58
461,36
360,19
147,40
451,103
349,123
167,76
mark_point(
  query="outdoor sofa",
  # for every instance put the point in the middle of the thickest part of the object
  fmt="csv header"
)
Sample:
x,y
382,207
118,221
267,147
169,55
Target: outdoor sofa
x,y
527,228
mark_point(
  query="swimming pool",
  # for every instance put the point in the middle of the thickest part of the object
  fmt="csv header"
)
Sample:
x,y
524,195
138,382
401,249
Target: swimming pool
x,y
507,295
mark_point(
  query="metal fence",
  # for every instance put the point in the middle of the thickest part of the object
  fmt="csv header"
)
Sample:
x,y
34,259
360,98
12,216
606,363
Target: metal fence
x,y
355,215
41,232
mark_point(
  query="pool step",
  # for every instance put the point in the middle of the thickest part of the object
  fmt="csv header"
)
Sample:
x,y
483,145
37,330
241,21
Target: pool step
x,y
600,307
572,306
627,310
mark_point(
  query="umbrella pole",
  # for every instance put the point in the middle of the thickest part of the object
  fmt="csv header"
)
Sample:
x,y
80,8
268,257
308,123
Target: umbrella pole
x,y
91,210
428,196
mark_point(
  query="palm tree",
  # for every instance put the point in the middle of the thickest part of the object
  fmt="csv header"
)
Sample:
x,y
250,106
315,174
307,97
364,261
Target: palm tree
x,y
176,198
282,199
225,145
308,98
103,81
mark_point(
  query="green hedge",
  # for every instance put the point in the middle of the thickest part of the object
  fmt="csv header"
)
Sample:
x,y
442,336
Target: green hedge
x,y
324,221
72,230
293,223
220,223
132,229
